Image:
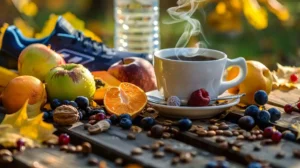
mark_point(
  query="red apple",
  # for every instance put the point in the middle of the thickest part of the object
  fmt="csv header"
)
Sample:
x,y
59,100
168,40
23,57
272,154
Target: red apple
x,y
135,70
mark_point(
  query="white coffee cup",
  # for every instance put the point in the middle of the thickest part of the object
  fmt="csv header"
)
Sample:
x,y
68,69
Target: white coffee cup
x,y
181,78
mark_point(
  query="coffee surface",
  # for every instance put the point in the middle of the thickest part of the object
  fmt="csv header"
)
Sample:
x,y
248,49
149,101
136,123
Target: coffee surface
x,y
194,58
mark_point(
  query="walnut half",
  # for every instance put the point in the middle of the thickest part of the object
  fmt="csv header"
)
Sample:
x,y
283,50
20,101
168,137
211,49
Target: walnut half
x,y
65,115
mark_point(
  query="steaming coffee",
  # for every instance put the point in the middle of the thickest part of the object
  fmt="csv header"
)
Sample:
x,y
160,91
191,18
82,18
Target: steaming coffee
x,y
193,58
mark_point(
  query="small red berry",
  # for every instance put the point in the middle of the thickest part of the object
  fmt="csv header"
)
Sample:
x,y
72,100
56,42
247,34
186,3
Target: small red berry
x,y
100,116
294,78
298,105
276,137
20,144
268,132
288,108
64,139
199,98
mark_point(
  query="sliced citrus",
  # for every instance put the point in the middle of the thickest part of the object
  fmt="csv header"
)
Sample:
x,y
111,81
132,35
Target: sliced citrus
x,y
127,98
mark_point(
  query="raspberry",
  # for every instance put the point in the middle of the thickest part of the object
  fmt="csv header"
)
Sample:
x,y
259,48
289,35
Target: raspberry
x,y
199,98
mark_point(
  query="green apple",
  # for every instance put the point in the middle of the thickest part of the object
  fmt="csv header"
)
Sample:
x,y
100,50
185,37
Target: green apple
x,y
66,82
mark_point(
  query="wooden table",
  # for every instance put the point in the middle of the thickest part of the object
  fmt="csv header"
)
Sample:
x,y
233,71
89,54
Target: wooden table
x,y
114,144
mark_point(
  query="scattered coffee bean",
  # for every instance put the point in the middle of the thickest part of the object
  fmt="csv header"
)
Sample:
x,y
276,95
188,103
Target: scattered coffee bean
x,y
224,127
161,143
211,133
87,125
213,127
201,133
168,149
119,161
78,148
266,142
213,121
166,135
86,148
5,156
193,128
159,154
92,122
155,147
240,137
149,133
247,135
174,131
219,132
93,161
241,132
297,153
175,160
254,137
236,149
146,147
238,144
220,139
185,157
280,155
71,149
235,133
259,137
194,153
224,145
131,136
228,133
136,151
157,131
136,129
64,147
257,148
255,132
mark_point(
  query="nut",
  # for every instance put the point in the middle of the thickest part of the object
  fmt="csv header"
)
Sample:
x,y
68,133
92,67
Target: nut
x,y
65,115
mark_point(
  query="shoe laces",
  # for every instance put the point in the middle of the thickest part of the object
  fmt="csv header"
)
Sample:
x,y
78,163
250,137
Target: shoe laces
x,y
88,43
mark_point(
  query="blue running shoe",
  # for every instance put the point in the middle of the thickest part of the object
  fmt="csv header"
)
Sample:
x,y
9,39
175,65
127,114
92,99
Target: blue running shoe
x,y
64,39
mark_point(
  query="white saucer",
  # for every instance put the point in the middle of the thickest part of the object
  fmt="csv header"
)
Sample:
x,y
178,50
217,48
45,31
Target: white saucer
x,y
190,112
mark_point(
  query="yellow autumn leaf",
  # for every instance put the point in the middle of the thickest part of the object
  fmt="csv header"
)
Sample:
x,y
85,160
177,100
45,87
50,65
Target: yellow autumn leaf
x,y
29,9
45,131
278,9
17,119
29,128
296,126
255,14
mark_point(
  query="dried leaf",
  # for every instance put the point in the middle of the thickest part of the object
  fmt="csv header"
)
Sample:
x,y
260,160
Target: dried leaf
x,y
281,78
296,126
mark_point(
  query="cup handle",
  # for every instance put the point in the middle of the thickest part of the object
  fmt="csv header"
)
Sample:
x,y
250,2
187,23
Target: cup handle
x,y
241,63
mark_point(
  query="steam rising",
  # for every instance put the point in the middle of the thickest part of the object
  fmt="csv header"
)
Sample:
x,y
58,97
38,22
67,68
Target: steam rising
x,y
192,26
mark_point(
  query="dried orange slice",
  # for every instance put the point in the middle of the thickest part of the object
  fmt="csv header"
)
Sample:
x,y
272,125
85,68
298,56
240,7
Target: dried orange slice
x,y
127,98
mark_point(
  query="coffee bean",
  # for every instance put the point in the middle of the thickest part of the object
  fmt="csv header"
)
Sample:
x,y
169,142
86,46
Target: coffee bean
x,y
136,129
174,131
240,137
255,132
168,149
86,148
78,148
228,133
257,148
241,132
259,137
201,133
87,125
236,149
220,139
213,127
185,157
131,136
219,132
159,154
175,160
211,133
155,147
297,153
222,123
280,155
266,142
146,147
93,161
235,133
136,151
247,135
119,161
194,153
224,127
161,143
157,131
64,147
5,156
166,135
193,128
254,137
224,145
71,149
238,144
92,122
213,121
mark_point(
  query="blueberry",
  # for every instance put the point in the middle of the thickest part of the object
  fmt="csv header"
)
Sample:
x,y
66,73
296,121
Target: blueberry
x,y
50,117
137,120
263,116
288,135
275,114
82,102
46,115
73,103
55,103
252,111
254,165
247,123
211,164
261,97
147,122
114,119
125,123
65,102
184,124
125,116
